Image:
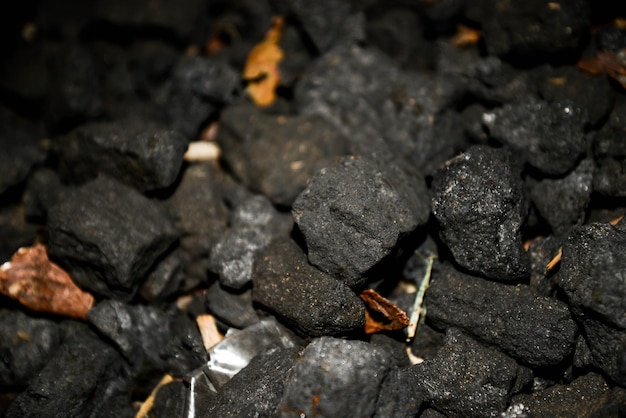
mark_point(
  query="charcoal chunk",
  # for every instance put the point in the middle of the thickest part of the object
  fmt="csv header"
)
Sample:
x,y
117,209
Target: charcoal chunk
x,y
164,279
537,331
142,154
562,202
233,308
268,371
592,276
397,397
466,378
21,151
549,136
96,234
84,377
479,203
610,154
353,213
26,346
335,378
198,88
311,302
276,155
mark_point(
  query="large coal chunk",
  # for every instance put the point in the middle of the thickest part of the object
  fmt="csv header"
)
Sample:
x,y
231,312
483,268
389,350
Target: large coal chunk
x,y
335,378
468,379
20,149
479,203
146,334
592,276
311,302
198,88
276,155
549,136
239,398
537,331
353,213
96,234
142,154
84,377
26,346
562,202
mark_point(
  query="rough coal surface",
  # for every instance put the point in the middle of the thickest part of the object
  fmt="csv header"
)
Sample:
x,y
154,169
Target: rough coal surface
x,y
353,213
164,279
142,154
398,397
26,346
84,377
468,379
335,378
276,155
562,202
308,300
503,315
95,234
479,203
592,276
549,136
610,154
231,307
269,372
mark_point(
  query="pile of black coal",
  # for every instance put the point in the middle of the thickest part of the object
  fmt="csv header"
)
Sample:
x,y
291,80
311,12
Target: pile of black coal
x,y
471,150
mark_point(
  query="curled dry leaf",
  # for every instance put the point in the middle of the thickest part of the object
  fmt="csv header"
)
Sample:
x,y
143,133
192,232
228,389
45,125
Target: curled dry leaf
x,y
607,62
261,70
41,285
381,314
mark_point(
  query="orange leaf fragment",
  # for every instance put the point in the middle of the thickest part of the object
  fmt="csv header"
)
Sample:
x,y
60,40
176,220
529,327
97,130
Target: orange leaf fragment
x,y
261,69
381,314
465,36
606,62
555,260
41,285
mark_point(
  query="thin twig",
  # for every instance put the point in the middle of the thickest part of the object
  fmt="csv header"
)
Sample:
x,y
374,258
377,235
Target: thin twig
x,y
419,300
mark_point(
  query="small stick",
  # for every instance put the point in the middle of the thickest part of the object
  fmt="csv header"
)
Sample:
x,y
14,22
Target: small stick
x,y
556,260
419,300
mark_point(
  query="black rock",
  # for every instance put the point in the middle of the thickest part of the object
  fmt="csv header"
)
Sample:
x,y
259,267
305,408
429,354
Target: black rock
x,y
308,300
397,397
335,378
276,155
164,279
84,377
197,89
479,203
353,213
592,276
268,371
610,154
21,149
142,154
26,346
549,136
234,308
96,234
537,331
200,213
562,202
468,379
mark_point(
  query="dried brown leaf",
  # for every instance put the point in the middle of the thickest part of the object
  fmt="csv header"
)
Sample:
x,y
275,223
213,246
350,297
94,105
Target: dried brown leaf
x,y
465,36
381,314
41,285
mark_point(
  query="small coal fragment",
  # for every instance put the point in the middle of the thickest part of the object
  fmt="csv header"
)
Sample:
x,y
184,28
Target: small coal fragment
x,y
335,378
276,155
95,233
562,202
353,213
586,396
19,141
549,136
83,377
43,190
26,346
397,397
164,279
198,88
239,398
200,213
610,154
479,203
254,223
592,276
233,308
308,300
142,154
468,379
535,330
